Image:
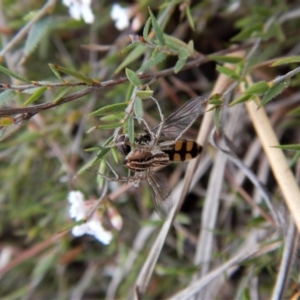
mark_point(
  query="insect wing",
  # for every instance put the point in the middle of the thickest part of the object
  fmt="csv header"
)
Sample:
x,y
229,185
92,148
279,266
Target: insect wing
x,y
160,193
179,121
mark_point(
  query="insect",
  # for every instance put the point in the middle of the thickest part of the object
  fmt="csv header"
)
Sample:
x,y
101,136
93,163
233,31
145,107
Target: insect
x,y
159,146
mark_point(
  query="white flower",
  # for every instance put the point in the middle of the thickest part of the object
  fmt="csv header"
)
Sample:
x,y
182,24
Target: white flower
x,y
80,8
121,16
80,210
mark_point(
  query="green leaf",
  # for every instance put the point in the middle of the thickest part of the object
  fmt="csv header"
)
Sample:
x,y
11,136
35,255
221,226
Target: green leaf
x,y
106,126
35,35
191,48
6,96
274,91
241,99
175,43
293,147
158,32
115,154
258,88
144,94
183,53
114,117
248,32
75,74
153,62
138,109
130,129
215,99
61,94
102,170
131,57
228,72
179,65
226,59
109,109
146,29
12,74
55,72
286,60
189,17
130,46
133,77
277,32
35,96
98,156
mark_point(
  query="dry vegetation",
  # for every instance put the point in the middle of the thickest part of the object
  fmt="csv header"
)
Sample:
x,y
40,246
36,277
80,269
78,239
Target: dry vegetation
x,y
236,233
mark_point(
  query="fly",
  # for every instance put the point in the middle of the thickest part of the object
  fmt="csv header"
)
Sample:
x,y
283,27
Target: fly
x,y
158,147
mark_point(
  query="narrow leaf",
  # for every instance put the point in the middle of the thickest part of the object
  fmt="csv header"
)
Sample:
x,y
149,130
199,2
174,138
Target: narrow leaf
x,y
35,35
102,170
130,46
98,156
12,74
189,17
138,109
131,57
75,74
191,48
106,126
241,99
6,96
109,109
144,94
286,60
115,154
293,147
228,72
226,59
153,62
35,96
158,32
133,77
183,53
130,129
55,72
174,43
112,118
258,88
61,94
146,29
179,65
274,91
248,32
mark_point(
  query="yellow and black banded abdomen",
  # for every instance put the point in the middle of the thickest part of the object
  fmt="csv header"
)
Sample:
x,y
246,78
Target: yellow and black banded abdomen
x,y
184,150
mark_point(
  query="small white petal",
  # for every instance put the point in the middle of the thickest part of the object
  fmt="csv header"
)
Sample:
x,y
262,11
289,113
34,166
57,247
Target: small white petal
x,y
87,14
75,196
75,11
99,232
77,208
67,2
120,15
79,230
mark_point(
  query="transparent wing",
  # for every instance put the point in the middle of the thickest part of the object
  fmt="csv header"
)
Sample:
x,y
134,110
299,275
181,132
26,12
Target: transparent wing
x,y
181,119
160,193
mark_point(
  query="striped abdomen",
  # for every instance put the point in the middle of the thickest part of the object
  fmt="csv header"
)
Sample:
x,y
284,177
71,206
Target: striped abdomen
x,y
142,159
183,150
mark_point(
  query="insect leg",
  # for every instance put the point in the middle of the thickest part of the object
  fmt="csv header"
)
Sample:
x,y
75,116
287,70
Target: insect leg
x,y
160,126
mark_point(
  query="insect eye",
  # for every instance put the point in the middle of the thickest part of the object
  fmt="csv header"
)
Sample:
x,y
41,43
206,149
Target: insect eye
x,y
122,146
